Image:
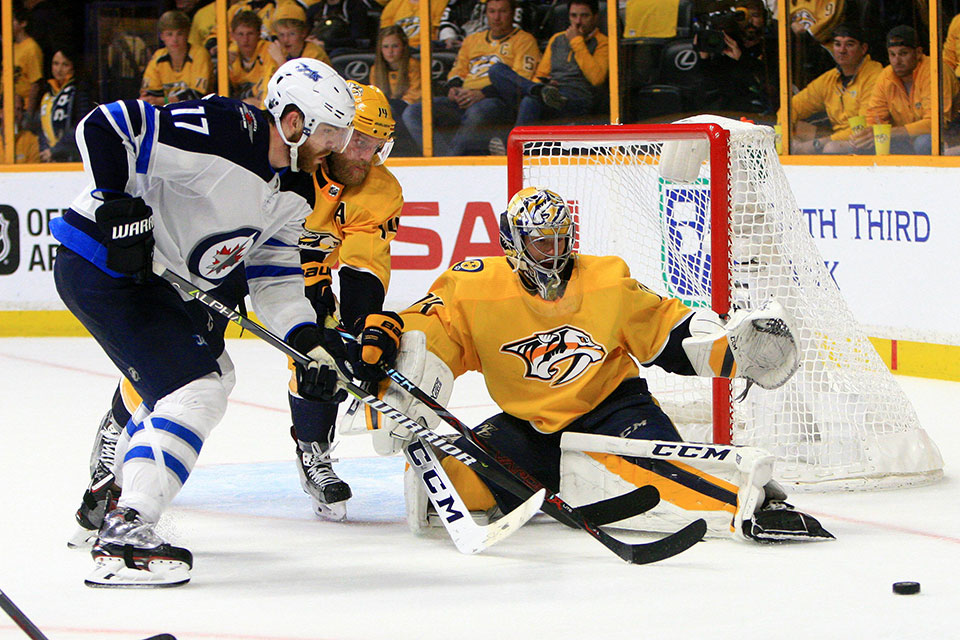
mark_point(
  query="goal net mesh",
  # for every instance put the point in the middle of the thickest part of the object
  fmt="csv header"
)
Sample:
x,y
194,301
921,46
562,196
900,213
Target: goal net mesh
x,y
842,421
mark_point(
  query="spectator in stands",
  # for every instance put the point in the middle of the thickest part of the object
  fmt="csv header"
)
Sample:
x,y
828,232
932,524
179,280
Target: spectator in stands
x,y
340,24
951,46
406,15
48,23
127,58
394,71
290,25
570,78
472,107
742,77
902,95
398,75
651,19
186,7
27,68
26,148
462,18
177,71
250,66
816,18
203,26
65,103
842,93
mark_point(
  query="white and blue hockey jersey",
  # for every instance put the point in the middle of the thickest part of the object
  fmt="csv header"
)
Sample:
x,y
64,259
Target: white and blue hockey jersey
x,y
203,167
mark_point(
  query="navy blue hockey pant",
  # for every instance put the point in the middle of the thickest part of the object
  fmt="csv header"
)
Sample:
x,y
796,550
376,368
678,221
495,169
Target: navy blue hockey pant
x,y
629,412
158,341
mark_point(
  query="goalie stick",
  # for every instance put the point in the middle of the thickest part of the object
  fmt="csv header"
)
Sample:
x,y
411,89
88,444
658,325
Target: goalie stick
x,y
515,479
22,621
467,535
463,448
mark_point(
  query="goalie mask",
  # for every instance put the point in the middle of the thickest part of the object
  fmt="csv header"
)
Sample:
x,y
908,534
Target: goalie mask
x,y
537,233
321,95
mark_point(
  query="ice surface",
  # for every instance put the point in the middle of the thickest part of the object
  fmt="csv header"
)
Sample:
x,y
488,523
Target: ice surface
x,y
267,569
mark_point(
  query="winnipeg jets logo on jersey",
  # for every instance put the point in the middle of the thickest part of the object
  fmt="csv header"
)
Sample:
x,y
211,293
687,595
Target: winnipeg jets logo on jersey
x,y
217,255
558,356
226,258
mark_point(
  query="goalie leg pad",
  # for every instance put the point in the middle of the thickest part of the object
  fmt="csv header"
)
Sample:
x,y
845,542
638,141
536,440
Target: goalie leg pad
x,y
722,484
475,494
425,370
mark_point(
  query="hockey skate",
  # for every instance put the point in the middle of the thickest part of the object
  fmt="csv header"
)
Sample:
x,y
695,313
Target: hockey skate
x,y
320,482
129,553
778,521
102,492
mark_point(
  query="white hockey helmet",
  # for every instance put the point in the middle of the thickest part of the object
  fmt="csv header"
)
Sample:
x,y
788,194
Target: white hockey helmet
x,y
319,93
537,234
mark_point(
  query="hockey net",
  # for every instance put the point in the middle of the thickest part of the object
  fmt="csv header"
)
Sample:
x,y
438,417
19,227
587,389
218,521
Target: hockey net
x,y
701,210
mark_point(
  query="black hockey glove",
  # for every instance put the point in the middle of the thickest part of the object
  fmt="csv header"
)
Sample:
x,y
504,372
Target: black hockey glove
x,y
127,226
317,381
377,343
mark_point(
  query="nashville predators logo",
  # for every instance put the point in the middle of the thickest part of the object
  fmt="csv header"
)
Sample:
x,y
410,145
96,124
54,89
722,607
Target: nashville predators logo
x,y
558,356
318,240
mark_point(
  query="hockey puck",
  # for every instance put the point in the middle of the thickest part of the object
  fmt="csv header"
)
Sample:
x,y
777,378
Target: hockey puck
x,y
906,588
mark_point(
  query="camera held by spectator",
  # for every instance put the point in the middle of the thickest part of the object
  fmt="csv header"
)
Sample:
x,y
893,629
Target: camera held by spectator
x,y
710,27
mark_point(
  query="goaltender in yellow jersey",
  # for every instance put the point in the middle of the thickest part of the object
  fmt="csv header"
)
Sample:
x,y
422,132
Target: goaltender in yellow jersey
x,y
555,335
479,317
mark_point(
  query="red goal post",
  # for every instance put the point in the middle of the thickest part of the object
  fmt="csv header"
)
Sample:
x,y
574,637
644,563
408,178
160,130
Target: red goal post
x,y
719,205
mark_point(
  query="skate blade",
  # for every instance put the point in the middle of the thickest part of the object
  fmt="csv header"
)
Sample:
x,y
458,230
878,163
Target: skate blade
x,y
334,511
111,572
82,538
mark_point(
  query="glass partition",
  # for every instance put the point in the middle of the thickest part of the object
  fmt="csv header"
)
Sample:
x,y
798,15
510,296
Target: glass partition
x,y
679,58
860,74
949,39
860,78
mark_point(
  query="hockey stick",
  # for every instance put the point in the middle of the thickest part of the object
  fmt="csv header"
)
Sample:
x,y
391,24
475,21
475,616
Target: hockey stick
x,y
462,448
467,535
20,618
22,621
516,480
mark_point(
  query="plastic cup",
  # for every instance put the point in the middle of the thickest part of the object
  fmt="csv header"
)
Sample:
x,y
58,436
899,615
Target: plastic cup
x,y
881,138
778,138
857,123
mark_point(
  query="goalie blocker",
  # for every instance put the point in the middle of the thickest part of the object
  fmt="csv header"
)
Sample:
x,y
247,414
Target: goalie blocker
x,y
730,487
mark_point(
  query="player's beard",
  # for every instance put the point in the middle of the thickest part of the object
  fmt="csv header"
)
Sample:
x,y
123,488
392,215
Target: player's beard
x,y
308,160
347,172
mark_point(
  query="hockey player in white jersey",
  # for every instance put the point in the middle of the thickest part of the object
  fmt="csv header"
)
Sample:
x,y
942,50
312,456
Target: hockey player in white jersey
x,y
217,192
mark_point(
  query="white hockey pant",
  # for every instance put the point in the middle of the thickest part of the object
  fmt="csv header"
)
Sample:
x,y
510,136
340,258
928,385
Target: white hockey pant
x,y
159,448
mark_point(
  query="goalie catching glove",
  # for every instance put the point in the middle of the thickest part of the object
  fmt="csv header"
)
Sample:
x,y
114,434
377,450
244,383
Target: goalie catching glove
x,y
758,345
378,338
318,380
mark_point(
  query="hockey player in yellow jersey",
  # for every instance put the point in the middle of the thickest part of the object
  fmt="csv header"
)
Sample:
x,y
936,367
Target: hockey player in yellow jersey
x,y
557,337
356,216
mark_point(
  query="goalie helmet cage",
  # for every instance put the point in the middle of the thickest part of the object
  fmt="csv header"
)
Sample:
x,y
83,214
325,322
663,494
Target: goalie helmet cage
x,y
701,210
